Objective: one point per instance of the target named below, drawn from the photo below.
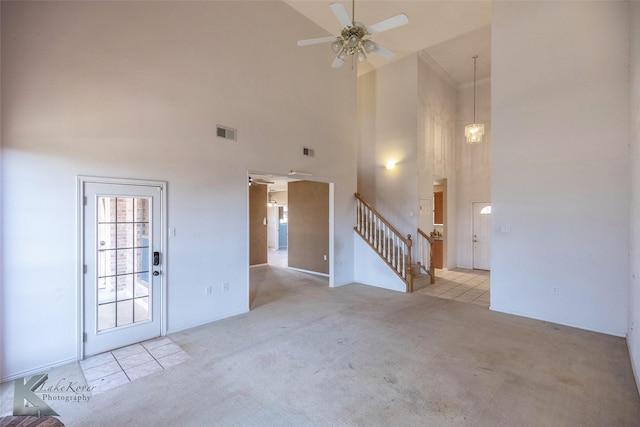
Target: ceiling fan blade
(261, 181)
(382, 51)
(316, 41)
(341, 13)
(337, 63)
(388, 24)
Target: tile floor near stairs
(111, 369)
(462, 285)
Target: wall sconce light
(390, 164)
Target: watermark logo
(26, 402)
(30, 395)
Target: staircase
(391, 246)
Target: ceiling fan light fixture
(336, 46)
(368, 46)
(362, 56)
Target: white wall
(407, 112)
(473, 165)
(437, 93)
(371, 270)
(135, 90)
(388, 103)
(633, 334)
(560, 168)
(367, 158)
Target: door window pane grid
(123, 261)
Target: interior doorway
(311, 236)
(276, 222)
(440, 223)
(277, 226)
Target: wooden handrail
(376, 213)
(426, 236)
(390, 245)
(432, 268)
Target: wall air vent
(308, 152)
(226, 133)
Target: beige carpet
(308, 355)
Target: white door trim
(81, 180)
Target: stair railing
(425, 254)
(390, 245)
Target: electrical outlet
(208, 290)
(225, 287)
(555, 290)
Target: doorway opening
(440, 223)
(277, 225)
(290, 224)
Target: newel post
(432, 267)
(410, 267)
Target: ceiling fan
(259, 181)
(354, 37)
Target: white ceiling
(450, 32)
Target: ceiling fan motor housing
(352, 40)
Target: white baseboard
(634, 367)
(38, 370)
(206, 322)
(308, 271)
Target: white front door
(122, 255)
(482, 236)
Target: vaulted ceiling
(450, 32)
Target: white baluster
(375, 233)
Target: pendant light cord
(475, 58)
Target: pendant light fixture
(271, 202)
(474, 131)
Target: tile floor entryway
(462, 285)
(108, 370)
